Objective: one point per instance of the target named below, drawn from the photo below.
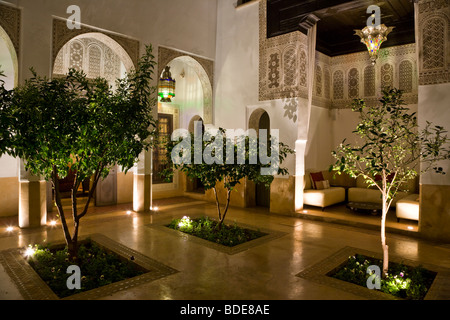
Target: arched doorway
(8, 60)
(9, 182)
(201, 71)
(97, 55)
(192, 102)
(260, 120)
(195, 185)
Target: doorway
(262, 193)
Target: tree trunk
(384, 246)
(62, 217)
(217, 204)
(226, 206)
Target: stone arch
(255, 117)
(13, 68)
(105, 40)
(289, 63)
(204, 70)
(387, 75)
(10, 30)
(406, 76)
(260, 119)
(192, 122)
(369, 81)
(434, 30)
(127, 48)
(338, 84)
(353, 83)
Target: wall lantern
(166, 86)
(373, 37)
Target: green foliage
(72, 122)
(391, 145)
(80, 123)
(220, 170)
(206, 228)
(98, 267)
(406, 282)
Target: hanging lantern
(373, 37)
(166, 86)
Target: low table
(373, 208)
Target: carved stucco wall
(353, 76)
(434, 41)
(204, 69)
(337, 80)
(62, 35)
(10, 22)
(92, 56)
(10, 26)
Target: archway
(9, 182)
(203, 69)
(97, 55)
(260, 120)
(8, 60)
(195, 185)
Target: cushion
(324, 198)
(324, 184)
(316, 176)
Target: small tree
(78, 124)
(390, 150)
(231, 160)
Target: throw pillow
(316, 176)
(324, 184)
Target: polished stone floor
(266, 271)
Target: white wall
(188, 92)
(320, 140)
(434, 106)
(188, 25)
(6, 65)
(237, 63)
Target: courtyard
(266, 270)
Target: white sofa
(324, 197)
(408, 208)
(361, 193)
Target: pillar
(142, 183)
(308, 24)
(32, 199)
(433, 51)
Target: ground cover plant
(98, 267)
(206, 228)
(402, 281)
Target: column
(308, 24)
(432, 45)
(32, 199)
(142, 183)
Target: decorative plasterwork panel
(204, 69)
(282, 62)
(395, 67)
(62, 34)
(434, 41)
(338, 80)
(10, 22)
(92, 56)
